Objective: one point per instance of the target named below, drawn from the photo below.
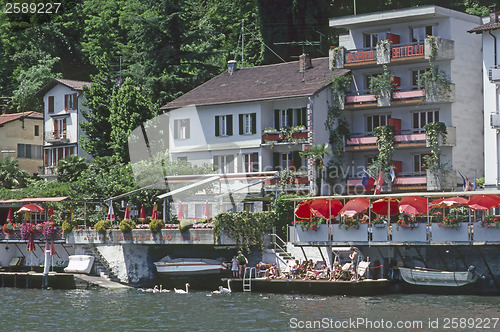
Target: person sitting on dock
(336, 273)
(272, 272)
(294, 272)
(318, 274)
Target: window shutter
(28, 151)
(276, 161)
(254, 122)
(297, 160)
(20, 150)
(240, 119)
(289, 116)
(46, 158)
(54, 155)
(277, 119)
(229, 125)
(56, 128)
(64, 128)
(187, 128)
(255, 162)
(240, 161)
(75, 101)
(304, 116)
(51, 104)
(217, 124)
(65, 102)
(216, 163)
(176, 129)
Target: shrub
(127, 225)
(67, 226)
(155, 225)
(102, 225)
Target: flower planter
(417, 234)
(301, 135)
(485, 233)
(379, 232)
(340, 234)
(320, 234)
(383, 53)
(271, 137)
(460, 233)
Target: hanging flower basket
(350, 223)
(406, 224)
(48, 230)
(308, 224)
(8, 228)
(27, 229)
(490, 221)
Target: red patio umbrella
(154, 215)
(142, 214)
(51, 212)
(413, 205)
(382, 206)
(9, 215)
(31, 208)
(326, 208)
(180, 212)
(448, 202)
(206, 211)
(303, 210)
(483, 202)
(111, 212)
(355, 206)
(127, 213)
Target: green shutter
(255, 162)
(297, 160)
(289, 115)
(240, 119)
(277, 119)
(229, 125)
(254, 122)
(217, 129)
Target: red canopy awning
(413, 205)
(382, 206)
(326, 208)
(448, 202)
(303, 210)
(483, 202)
(355, 206)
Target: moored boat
(430, 277)
(189, 266)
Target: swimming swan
(226, 290)
(182, 291)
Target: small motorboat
(189, 266)
(431, 277)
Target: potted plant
(382, 86)
(452, 222)
(380, 221)
(383, 52)
(308, 224)
(406, 223)
(67, 227)
(8, 228)
(349, 222)
(155, 225)
(102, 226)
(490, 221)
(127, 225)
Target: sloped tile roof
(5, 118)
(72, 84)
(485, 27)
(276, 81)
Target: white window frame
(386, 118)
(182, 125)
(247, 124)
(419, 127)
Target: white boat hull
(425, 277)
(189, 266)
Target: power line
(265, 45)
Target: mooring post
(46, 267)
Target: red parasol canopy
(31, 244)
(303, 210)
(127, 213)
(326, 208)
(206, 211)
(9, 215)
(448, 202)
(413, 205)
(483, 202)
(51, 211)
(382, 206)
(355, 206)
(154, 215)
(142, 214)
(180, 212)
(31, 208)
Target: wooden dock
(36, 280)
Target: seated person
(316, 274)
(272, 272)
(295, 270)
(337, 269)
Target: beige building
(21, 137)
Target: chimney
(493, 14)
(304, 62)
(232, 66)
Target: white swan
(218, 291)
(226, 290)
(182, 291)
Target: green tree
(129, 109)
(11, 176)
(317, 153)
(70, 168)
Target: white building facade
(63, 101)
(399, 40)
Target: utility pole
(243, 43)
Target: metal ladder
(247, 280)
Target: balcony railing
(363, 98)
(383, 53)
(60, 136)
(368, 141)
(15, 236)
(291, 135)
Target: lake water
(134, 310)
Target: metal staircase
(279, 248)
(101, 266)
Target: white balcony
(57, 137)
